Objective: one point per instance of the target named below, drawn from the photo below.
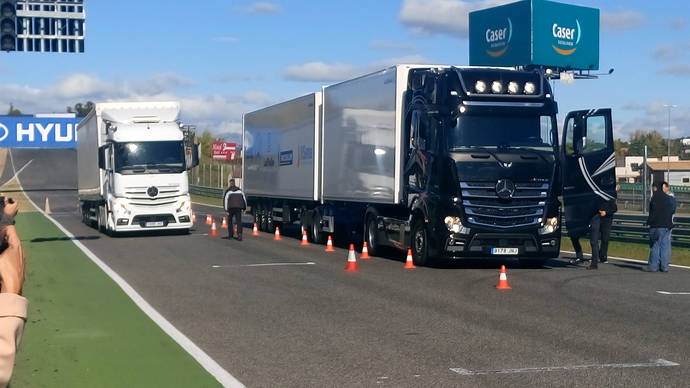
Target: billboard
(535, 32)
(221, 150)
(38, 132)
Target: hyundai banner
(38, 132)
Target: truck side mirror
(101, 158)
(195, 156)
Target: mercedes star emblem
(505, 188)
(153, 191)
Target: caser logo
(498, 39)
(566, 38)
(3, 132)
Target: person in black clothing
(235, 203)
(660, 222)
(606, 211)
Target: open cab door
(587, 166)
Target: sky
(224, 58)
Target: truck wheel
(372, 237)
(100, 217)
(420, 244)
(316, 233)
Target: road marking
(654, 363)
(631, 260)
(262, 264)
(211, 366)
(673, 293)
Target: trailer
(451, 162)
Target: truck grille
(483, 206)
(166, 195)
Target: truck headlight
(182, 206)
(454, 224)
(550, 226)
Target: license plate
(151, 224)
(504, 251)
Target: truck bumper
(139, 218)
(481, 244)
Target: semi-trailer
(132, 167)
(451, 162)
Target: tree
(13, 111)
(620, 147)
(81, 110)
(655, 142)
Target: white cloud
(387, 45)
(678, 24)
(680, 69)
(262, 7)
(320, 72)
(215, 113)
(325, 72)
(653, 115)
(621, 20)
(449, 17)
(225, 39)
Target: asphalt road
(317, 325)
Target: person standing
(235, 203)
(660, 222)
(594, 238)
(606, 212)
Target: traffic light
(8, 25)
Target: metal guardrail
(632, 228)
(212, 192)
(626, 227)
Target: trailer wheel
(372, 236)
(420, 243)
(263, 225)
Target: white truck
(132, 167)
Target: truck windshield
(149, 157)
(533, 132)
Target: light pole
(668, 153)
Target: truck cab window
(569, 145)
(162, 157)
(596, 134)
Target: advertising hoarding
(535, 32)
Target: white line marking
(262, 265)
(673, 293)
(21, 169)
(223, 377)
(631, 260)
(654, 363)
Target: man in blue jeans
(660, 222)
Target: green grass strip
(83, 330)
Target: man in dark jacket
(606, 211)
(660, 222)
(234, 203)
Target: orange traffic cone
(365, 252)
(351, 260)
(208, 219)
(409, 264)
(304, 238)
(255, 230)
(224, 224)
(214, 232)
(503, 280)
(329, 245)
(193, 218)
(277, 234)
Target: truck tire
(371, 236)
(316, 233)
(100, 219)
(420, 243)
